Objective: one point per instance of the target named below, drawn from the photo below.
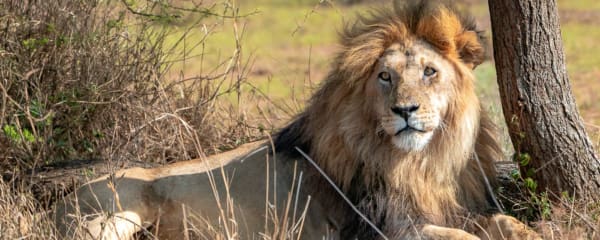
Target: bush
(81, 80)
(88, 80)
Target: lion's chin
(412, 141)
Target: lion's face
(413, 85)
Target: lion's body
(397, 126)
(183, 192)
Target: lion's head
(398, 116)
(419, 71)
(411, 89)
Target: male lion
(396, 125)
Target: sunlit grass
(275, 32)
(579, 4)
(581, 46)
(286, 43)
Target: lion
(396, 126)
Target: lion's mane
(439, 185)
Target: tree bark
(540, 111)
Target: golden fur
(442, 181)
(427, 181)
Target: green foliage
(35, 43)
(536, 205)
(541, 205)
(515, 174)
(530, 184)
(36, 111)
(524, 159)
(16, 135)
(10, 131)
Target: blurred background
(290, 43)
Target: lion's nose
(406, 110)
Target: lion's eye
(428, 72)
(384, 76)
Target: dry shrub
(83, 81)
(20, 217)
(553, 215)
(88, 80)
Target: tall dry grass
(82, 80)
(20, 215)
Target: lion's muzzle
(411, 129)
(405, 111)
(405, 120)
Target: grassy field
(289, 45)
(286, 44)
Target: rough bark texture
(538, 105)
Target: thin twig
(583, 218)
(339, 191)
(487, 184)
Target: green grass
(274, 26)
(583, 65)
(486, 79)
(579, 5)
(278, 39)
(581, 47)
(281, 35)
(271, 29)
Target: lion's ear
(444, 29)
(439, 28)
(470, 48)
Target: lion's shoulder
(249, 150)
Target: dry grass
(280, 222)
(79, 83)
(554, 216)
(20, 216)
(88, 80)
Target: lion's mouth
(409, 129)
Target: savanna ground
(87, 87)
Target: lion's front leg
(432, 232)
(501, 226)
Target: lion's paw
(432, 232)
(501, 226)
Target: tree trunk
(539, 108)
